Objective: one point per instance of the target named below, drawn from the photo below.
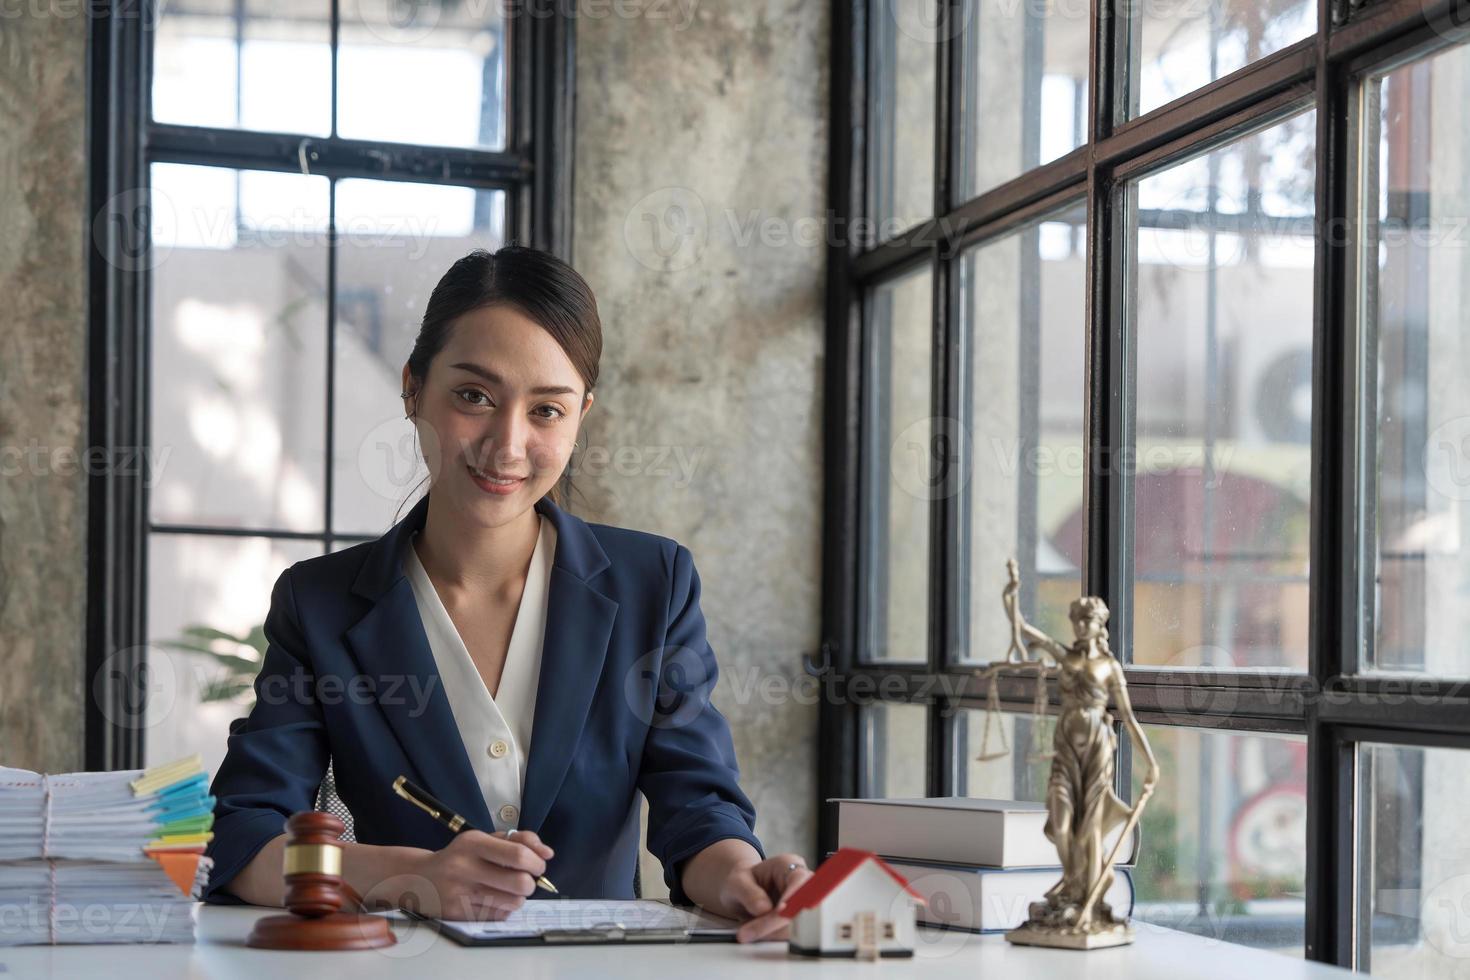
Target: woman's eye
(556, 413)
(469, 394)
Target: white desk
(1158, 954)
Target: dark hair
(538, 284)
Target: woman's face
(1087, 627)
(501, 400)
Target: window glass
(1221, 315)
(1415, 260)
(1415, 904)
(1002, 755)
(1025, 90)
(1184, 44)
(429, 73)
(904, 41)
(238, 348)
(1024, 340)
(256, 64)
(208, 596)
(896, 749)
(1224, 837)
(900, 479)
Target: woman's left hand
(760, 890)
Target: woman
(533, 671)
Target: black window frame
(534, 170)
(1353, 38)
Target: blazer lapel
(392, 649)
(579, 622)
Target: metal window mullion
(1333, 624)
(519, 112)
(330, 436)
(941, 778)
(274, 534)
(875, 462)
(946, 548)
(545, 80)
(337, 157)
(118, 413)
(1107, 526)
(335, 44)
(1377, 28)
(838, 720)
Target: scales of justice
(1082, 808)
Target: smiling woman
(561, 667)
(501, 398)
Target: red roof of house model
(832, 873)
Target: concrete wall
(699, 192)
(43, 503)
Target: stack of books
(978, 863)
(103, 857)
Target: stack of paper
(103, 857)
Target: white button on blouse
(496, 730)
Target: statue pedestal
(1063, 937)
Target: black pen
(425, 801)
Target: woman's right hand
(480, 876)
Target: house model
(853, 905)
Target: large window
(1168, 303)
(287, 183)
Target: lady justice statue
(1083, 811)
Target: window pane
(895, 749)
(904, 41)
(238, 348)
(1025, 338)
(1003, 756)
(1224, 838)
(269, 68)
(899, 482)
(1415, 869)
(431, 73)
(1025, 90)
(1186, 44)
(1417, 269)
(1222, 317)
(395, 241)
(206, 582)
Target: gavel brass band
(322, 859)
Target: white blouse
(496, 730)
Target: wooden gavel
(315, 893)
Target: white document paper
(537, 916)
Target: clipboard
(603, 932)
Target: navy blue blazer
(622, 706)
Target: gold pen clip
(402, 791)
